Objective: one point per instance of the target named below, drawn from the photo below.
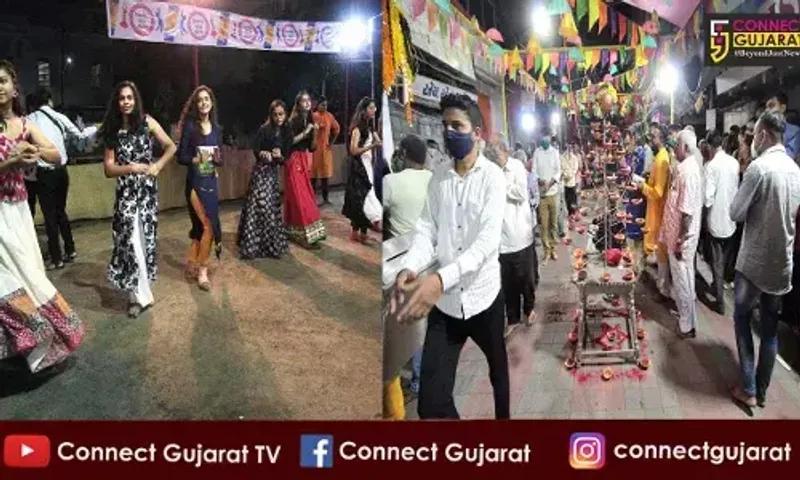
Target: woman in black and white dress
(261, 230)
(128, 134)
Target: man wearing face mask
(767, 202)
(460, 227)
(548, 168)
(517, 252)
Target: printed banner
(163, 22)
(752, 40)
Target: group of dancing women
(39, 326)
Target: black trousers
(444, 340)
(53, 186)
(730, 265)
(32, 189)
(571, 197)
(791, 301)
(721, 251)
(519, 282)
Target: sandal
(741, 397)
(134, 310)
(55, 266)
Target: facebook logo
(316, 451)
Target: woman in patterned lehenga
(300, 211)
(35, 321)
(127, 135)
(261, 230)
(199, 151)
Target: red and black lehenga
(300, 212)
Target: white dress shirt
(517, 223)
(570, 163)
(548, 167)
(56, 131)
(461, 225)
(404, 195)
(721, 185)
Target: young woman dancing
(261, 230)
(300, 212)
(361, 205)
(36, 323)
(127, 135)
(200, 139)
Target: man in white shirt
(460, 226)
(516, 244)
(404, 192)
(548, 169)
(721, 185)
(52, 181)
(570, 163)
(680, 230)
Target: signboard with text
(431, 91)
(163, 22)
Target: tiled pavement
(687, 379)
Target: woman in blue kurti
(200, 138)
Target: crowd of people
(732, 199)
(36, 323)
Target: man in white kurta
(680, 230)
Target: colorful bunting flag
(603, 13)
(568, 29)
(623, 26)
(559, 7)
(582, 8)
(594, 13)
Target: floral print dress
(136, 198)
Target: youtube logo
(26, 451)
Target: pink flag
(676, 12)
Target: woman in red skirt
(300, 211)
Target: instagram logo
(587, 451)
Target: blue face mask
(458, 145)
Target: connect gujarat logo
(753, 39)
(587, 451)
(720, 40)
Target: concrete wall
(91, 194)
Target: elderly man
(721, 185)
(680, 230)
(517, 255)
(767, 203)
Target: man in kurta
(322, 166)
(655, 189)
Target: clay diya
(637, 201)
(611, 178)
(629, 275)
(581, 229)
(606, 277)
(582, 275)
(608, 374)
(620, 215)
(579, 264)
(640, 333)
(644, 363)
(578, 253)
(640, 221)
(567, 241)
(569, 363)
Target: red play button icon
(26, 451)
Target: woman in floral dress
(36, 322)
(200, 140)
(261, 230)
(127, 135)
